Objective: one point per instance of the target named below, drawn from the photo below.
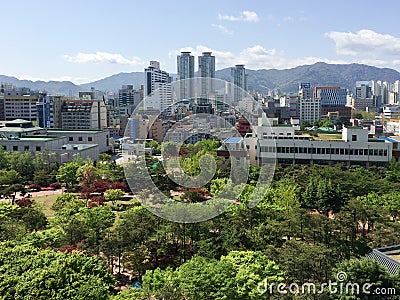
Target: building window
(38, 148)
(15, 148)
(90, 139)
(70, 138)
(80, 139)
(26, 148)
(354, 138)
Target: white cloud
(259, 57)
(256, 57)
(222, 58)
(246, 15)
(365, 42)
(223, 29)
(103, 57)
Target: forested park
(95, 240)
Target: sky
(86, 40)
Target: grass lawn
(327, 136)
(45, 202)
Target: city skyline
(82, 42)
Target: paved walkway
(34, 194)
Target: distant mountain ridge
(287, 80)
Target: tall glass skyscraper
(239, 79)
(207, 72)
(185, 63)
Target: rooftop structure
(389, 257)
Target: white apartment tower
(158, 91)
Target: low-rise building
(21, 135)
(88, 137)
(354, 149)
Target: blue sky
(83, 41)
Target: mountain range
(287, 80)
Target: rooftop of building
(354, 127)
(39, 138)
(282, 125)
(389, 257)
(74, 130)
(31, 138)
(388, 139)
(78, 146)
(19, 129)
(233, 140)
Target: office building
(83, 114)
(21, 135)
(333, 99)
(364, 98)
(91, 95)
(305, 90)
(19, 103)
(128, 96)
(353, 149)
(309, 109)
(49, 111)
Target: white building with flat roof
(353, 149)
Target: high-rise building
(363, 89)
(207, 72)
(309, 109)
(333, 99)
(305, 90)
(185, 64)
(91, 95)
(84, 114)
(158, 90)
(239, 79)
(364, 98)
(19, 103)
(129, 98)
(49, 111)
(154, 76)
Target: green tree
(364, 271)
(113, 195)
(321, 194)
(68, 173)
(31, 273)
(137, 260)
